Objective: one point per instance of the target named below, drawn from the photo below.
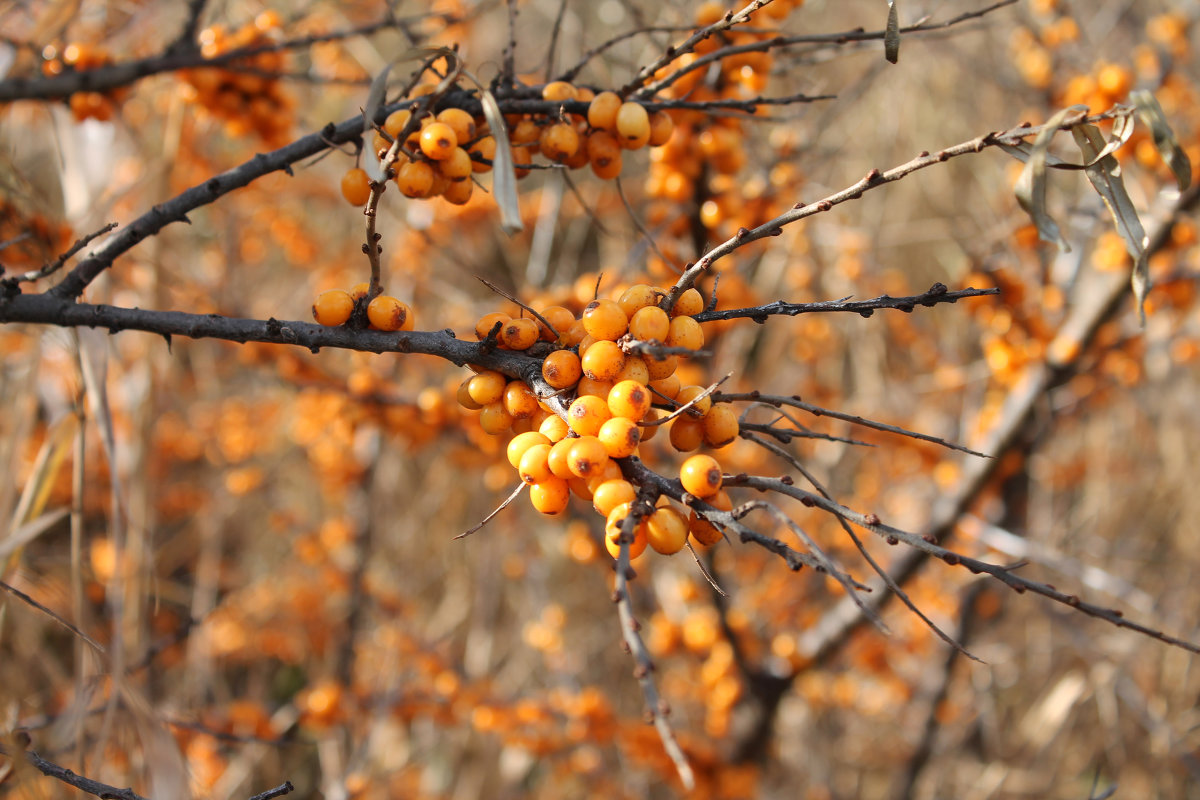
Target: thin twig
(17, 593)
(936, 294)
(507, 502)
(513, 299)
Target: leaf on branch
(1031, 186)
(1104, 172)
(891, 36)
(504, 176)
(375, 96)
(1151, 113)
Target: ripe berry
(633, 126)
(720, 426)
(333, 307)
(562, 369)
(522, 442)
(666, 531)
(620, 437)
(488, 321)
(701, 476)
(458, 192)
(521, 160)
(519, 400)
(634, 370)
(534, 466)
(587, 457)
(464, 397)
(396, 122)
(638, 296)
(485, 149)
(438, 141)
(661, 128)
(602, 112)
(415, 179)
(650, 324)
(629, 399)
(554, 428)
(557, 91)
(387, 313)
(687, 434)
(356, 187)
(612, 533)
(604, 319)
(561, 318)
(611, 494)
(587, 414)
(700, 407)
(603, 151)
(611, 471)
(661, 368)
(557, 459)
(668, 387)
(462, 123)
(360, 290)
(519, 334)
(590, 387)
(559, 141)
(689, 304)
(603, 361)
(701, 529)
(685, 332)
(457, 166)
(494, 419)
(487, 387)
(550, 496)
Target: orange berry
(456, 167)
(661, 368)
(550, 496)
(590, 387)
(487, 387)
(333, 307)
(554, 428)
(603, 149)
(610, 494)
(604, 319)
(387, 313)
(629, 399)
(557, 460)
(602, 111)
(558, 91)
(637, 297)
(603, 361)
(587, 457)
(438, 141)
(650, 324)
(519, 400)
(562, 369)
(462, 123)
(360, 290)
(458, 192)
(488, 321)
(415, 179)
(494, 419)
(561, 318)
(396, 121)
(648, 430)
(534, 466)
(620, 437)
(559, 141)
(666, 531)
(685, 332)
(668, 387)
(485, 148)
(522, 442)
(356, 187)
(701, 476)
(633, 125)
(661, 128)
(464, 397)
(612, 532)
(687, 394)
(580, 488)
(587, 414)
(720, 426)
(524, 132)
(689, 304)
(701, 529)
(521, 160)
(634, 370)
(519, 334)
(611, 471)
(686, 434)
(608, 170)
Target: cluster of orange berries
(249, 100)
(439, 156)
(383, 312)
(80, 57)
(618, 397)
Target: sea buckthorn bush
(684, 389)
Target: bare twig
(511, 298)
(17, 593)
(57, 264)
(507, 502)
(936, 294)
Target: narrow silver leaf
(1151, 113)
(891, 36)
(1031, 186)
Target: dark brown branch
(938, 293)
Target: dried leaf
(891, 36)
(1151, 114)
(1031, 186)
(375, 97)
(1104, 172)
(504, 176)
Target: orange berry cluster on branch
(79, 57)
(383, 312)
(246, 95)
(610, 360)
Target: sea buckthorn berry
(603, 149)
(650, 324)
(609, 169)
(458, 192)
(587, 414)
(550, 496)
(604, 319)
(689, 304)
(522, 158)
(633, 125)
(519, 400)
(620, 437)
(701, 529)
(494, 419)
(611, 471)
(701, 476)
(524, 132)
(438, 141)
(661, 128)
(562, 369)
(648, 430)
(580, 489)
(720, 426)
(559, 142)
(522, 442)
(535, 465)
(634, 370)
(590, 387)
(629, 399)
(638, 297)
(557, 91)
(668, 387)
(554, 428)
(360, 290)
(333, 307)
(522, 425)
(487, 387)
(462, 123)
(396, 121)
(415, 179)
(387, 313)
(602, 111)
(666, 531)
(685, 332)
(661, 368)
(689, 393)
(519, 334)
(603, 361)
(686, 434)
(559, 317)
(488, 321)
(612, 533)
(457, 167)
(485, 149)
(611, 494)
(557, 460)
(356, 187)
(587, 457)
(464, 397)
(574, 334)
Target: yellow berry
(558, 91)
(603, 361)
(633, 126)
(629, 399)
(666, 531)
(522, 442)
(356, 187)
(610, 494)
(701, 476)
(534, 466)
(550, 496)
(333, 307)
(689, 304)
(557, 460)
(554, 428)
(586, 415)
(602, 111)
(487, 387)
(620, 437)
